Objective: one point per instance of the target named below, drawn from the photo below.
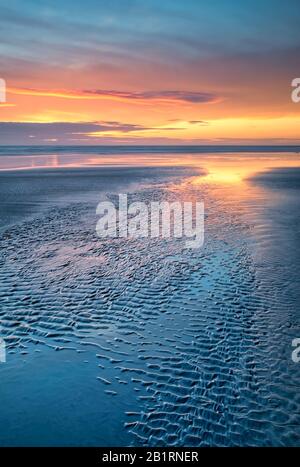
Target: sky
(149, 72)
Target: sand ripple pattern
(202, 336)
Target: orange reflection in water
(234, 168)
(227, 180)
(227, 168)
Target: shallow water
(143, 342)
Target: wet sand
(26, 193)
(143, 342)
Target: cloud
(63, 132)
(192, 97)
(198, 122)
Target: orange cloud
(192, 97)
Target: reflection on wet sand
(223, 168)
(154, 344)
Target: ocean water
(26, 157)
(142, 341)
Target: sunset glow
(149, 73)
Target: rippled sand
(143, 342)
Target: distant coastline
(140, 149)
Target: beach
(141, 341)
